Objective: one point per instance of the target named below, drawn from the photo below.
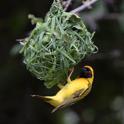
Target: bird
(72, 91)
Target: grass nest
(57, 43)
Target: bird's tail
(49, 99)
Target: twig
(84, 6)
(67, 4)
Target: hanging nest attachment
(56, 44)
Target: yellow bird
(73, 91)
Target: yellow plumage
(73, 91)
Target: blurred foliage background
(104, 105)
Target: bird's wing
(71, 100)
(83, 94)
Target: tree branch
(86, 4)
(67, 4)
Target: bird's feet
(69, 77)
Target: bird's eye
(86, 72)
(86, 69)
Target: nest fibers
(55, 45)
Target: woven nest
(55, 45)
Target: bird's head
(87, 72)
